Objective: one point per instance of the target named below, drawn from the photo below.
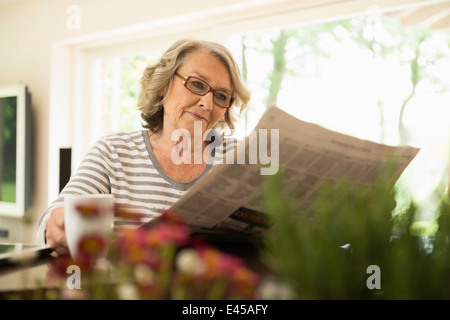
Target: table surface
(25, 278)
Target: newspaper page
(230, 197)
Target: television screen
(15, 150)
(8, 146)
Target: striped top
(124, 165)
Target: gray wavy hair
(159, 76)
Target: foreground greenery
(335, 252)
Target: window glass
(118, 90)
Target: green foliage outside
(130, 90)
(8, 192)
(128, 71)
(326, 255)
(8, 114)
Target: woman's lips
(196, 116)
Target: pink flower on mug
(91, 245)
(88, 209)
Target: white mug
(88, 218)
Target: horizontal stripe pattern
(123, 164)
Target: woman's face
(182, 108)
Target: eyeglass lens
(200, 87)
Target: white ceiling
(436, 15)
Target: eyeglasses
(198, 86)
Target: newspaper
(230, 197)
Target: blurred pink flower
(219, 264)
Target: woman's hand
(55, 234)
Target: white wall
(34, 43)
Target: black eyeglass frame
(186, 80)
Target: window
(352, 75)
(116, 90)
(368, 76)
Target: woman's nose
(207, 101)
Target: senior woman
(195, 83)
